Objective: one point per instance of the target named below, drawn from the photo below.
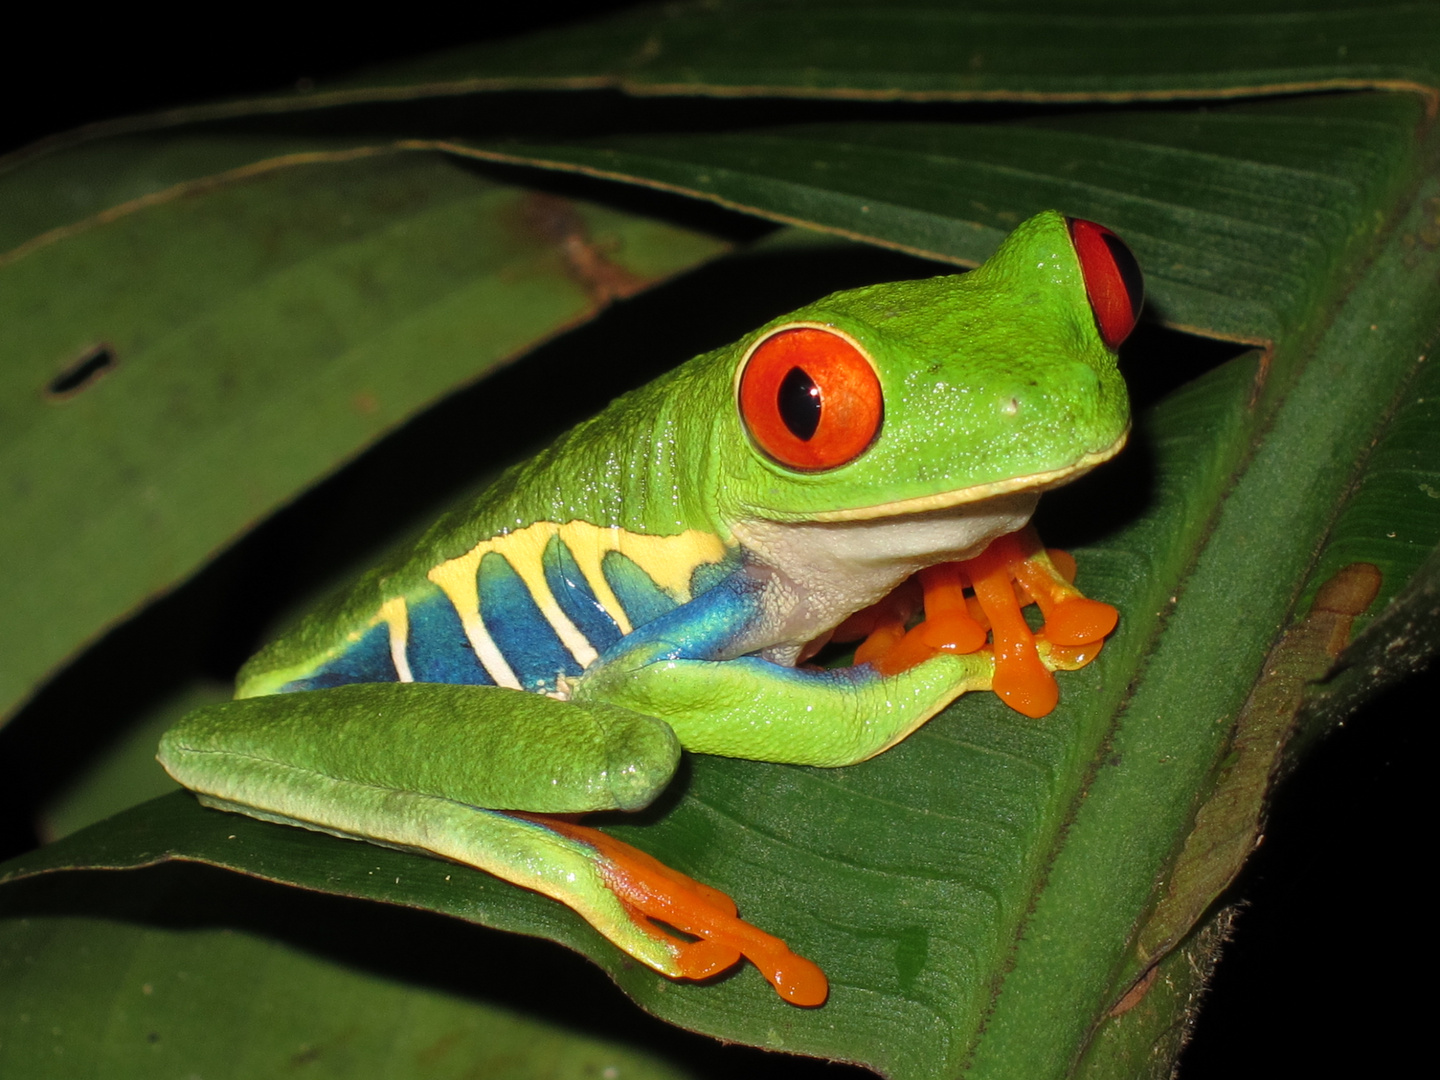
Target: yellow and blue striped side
(528, 608)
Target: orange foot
(1014, 571)
(667, 898)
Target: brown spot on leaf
(1344, 596)
(1136, 993)
(1228, 825)
(558, 222)
(431, 1056)
(1262, 373)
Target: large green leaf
(1240, 215)
(232, 984)
(915, 50)
(987, 894)
(928, 50)
(261, 324)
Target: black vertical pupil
(1129, 271)
(799, 404)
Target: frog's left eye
(810, 399)
(1113, 280)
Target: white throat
(818, 573)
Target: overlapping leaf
(260, 325)
(921, 50)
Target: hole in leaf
(83, 372)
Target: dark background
(1319, 977)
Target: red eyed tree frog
(660, 577)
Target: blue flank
(575, 597)
(699, 630)
(522, 634)
(726, 601)
(367, 661)
(638, 594)
(438, 649)
(709, 574)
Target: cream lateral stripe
(397, 617)
(523, 550)
(667, 560)
(464, 595)
(588, 546)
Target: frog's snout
(1071, 410)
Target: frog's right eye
(1113, 281)
(810, 398)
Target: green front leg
(751, 708)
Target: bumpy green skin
(988, 378)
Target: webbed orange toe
(661, 899)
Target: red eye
(1112, 279)
(810, 399)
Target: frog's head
(882, 430)
(922, 396)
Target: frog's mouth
(922, 504)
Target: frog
(670, 576)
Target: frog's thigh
(412, 765)
(752, 708)
(479, 745)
